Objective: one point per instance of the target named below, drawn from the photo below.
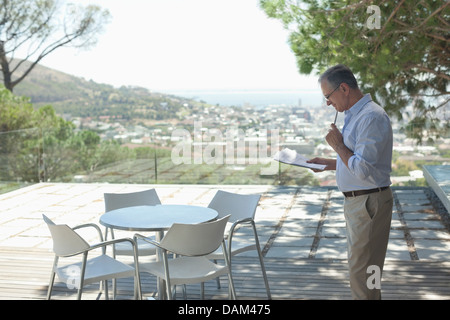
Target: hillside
(82, 98)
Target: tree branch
(446, 3)
(393, 13)
(436, 73)
(443, 103)
(45, 52)
(436, 37)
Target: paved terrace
(301, 230)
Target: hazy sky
(166, 45)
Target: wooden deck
(24, 275)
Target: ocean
(255, 98)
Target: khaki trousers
(368, 221)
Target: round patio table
(157, 218)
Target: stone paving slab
(297, 222)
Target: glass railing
(33, 155)
(19, 154)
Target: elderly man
(363, 166)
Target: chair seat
(237, 247)
(186, 270)
(97, 269)
(126, 249)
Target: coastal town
(257, 130)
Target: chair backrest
(115, 201)
(239, 206)
(66, 242)
(195, 239)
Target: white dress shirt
(367, 132)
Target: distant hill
(79, 97)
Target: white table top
(156, 218)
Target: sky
(176, 45)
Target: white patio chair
(190, 243)
(68, 243)
(242, 209)
(115, 201)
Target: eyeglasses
(328, 96)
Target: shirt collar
(359, 104)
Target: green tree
(16, 135)
(38, 145)
(86, 143)
(15, 112)
(35, 28)
(110, 151)
(398, 50)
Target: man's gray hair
(339, 74)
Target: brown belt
(361, 192)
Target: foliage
(17, 109)
(15, 113)
(37, 145)
(403, 167)
(402, 61)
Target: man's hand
(330, 163)
(334, 138)
(336, 141)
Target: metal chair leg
(202, 291)
(261, 262)
(106, 290)
(50, 286)
(217, 279)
